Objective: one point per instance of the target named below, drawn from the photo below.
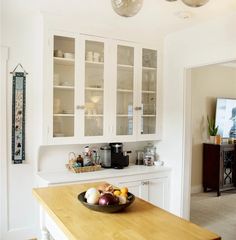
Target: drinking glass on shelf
(57, 105)
(56, 79)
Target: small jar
(149, 160)
(80, 161)
(231, 141)
(217, 139)
(58, 53)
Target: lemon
(123, 194)
(117, 192)
(124, 190)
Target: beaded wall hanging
(18, 115)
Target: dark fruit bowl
(107, 208)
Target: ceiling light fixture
(127, 8)
(195, 3)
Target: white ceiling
(229, 64)
(156, 18)
(155, 15)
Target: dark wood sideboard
(219, 167)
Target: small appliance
(119, 158)
(106, 156)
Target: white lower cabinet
(158, 193)
(153, 190)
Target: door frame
(3, 144)
(187, 134)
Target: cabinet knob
(80, 107)
(138, 108)
(145, 182)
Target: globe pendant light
(195, 3)
(127, 8)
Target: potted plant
(212, 129)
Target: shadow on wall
(211, 106)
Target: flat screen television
(226, 117)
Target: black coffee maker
(119, 158)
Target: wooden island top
(140, 221)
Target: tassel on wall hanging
(18, 114)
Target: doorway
(205, 85)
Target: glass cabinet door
(149, 91)
(63, 86)
(125, 94)
(94, 88)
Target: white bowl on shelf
(69, 55)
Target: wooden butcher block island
(66, 218)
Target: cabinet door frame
(113, 88)
(106, 96)
(163, 182)
(158, 126)
(48, 91)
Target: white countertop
(64, 176)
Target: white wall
(207, 84)
(209, 43)
(23, 30)
(22, 33)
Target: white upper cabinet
(99, 90)
(93, 76)
(149, 85)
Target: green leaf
(212, 129)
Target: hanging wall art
(18, 115)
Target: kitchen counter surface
(64, 176)
(140, 221)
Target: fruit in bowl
(106, 198)
(105, 194)
(92, 195)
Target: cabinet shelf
(63, 87)
(63, 115)
(93, 115)
(149, 68)
(153, 92)
(124, 115)
(94, 64)
(94, 89)
(124, 90)
(125, 66)
(64, 61)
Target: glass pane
(125, 55)
(63, 126)
(125, 83)
(149, 58)
(124, 125)
(93, 126)
(63, 86)
(94, 88)
(149, 81)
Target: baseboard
(196, 189)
